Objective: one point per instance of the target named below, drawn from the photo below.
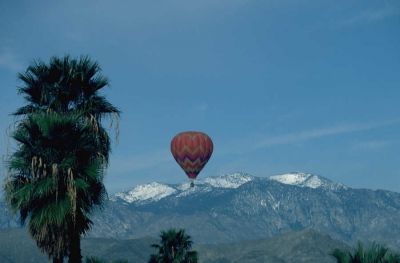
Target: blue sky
(280, 86)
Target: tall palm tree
(374, 254)
(55, 180)
(69, 85)
(174, 247)
(65, 87)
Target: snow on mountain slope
(158, 191)
(306, 180)
(147, 192)
(229, 181)
(142, 194)
(187, 190)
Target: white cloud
(373, 144)
(265, 141)
(320, 132)
(372, 15)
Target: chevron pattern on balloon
(192, 150)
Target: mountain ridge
(156, 191)
(259, 208)
(238, 207)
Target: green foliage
(55, 178)
(56, 174)
(174, 247)
(66, 85)
(374, 254)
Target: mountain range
(239, 207)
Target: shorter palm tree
(174, 247)
(374, 254)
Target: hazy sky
(279, 85)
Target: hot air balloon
(192, 150)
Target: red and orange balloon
(192, 150)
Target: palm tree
(69, 85)
(374, 254)
(174, 247)
(55, 180)
(64, 87)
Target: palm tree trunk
(75, 248)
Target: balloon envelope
(191, 151)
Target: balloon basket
(191, 184)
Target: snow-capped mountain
(156, 191)
(235, 207)
(306, 180)
(239, 206)
(229, 181)
(148, 192)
